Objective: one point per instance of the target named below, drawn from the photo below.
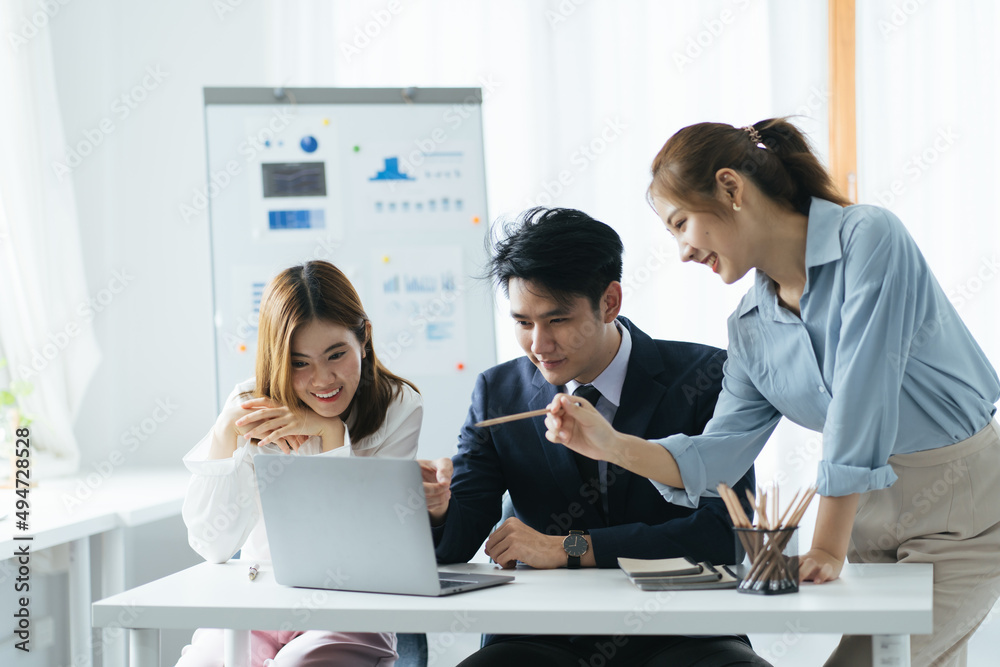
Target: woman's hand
(819, 566)
(270, 421)
(225, 432)
(834, 522)
(578, 425)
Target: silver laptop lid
(354, 524)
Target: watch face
(575, 545)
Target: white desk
(890, 601)
(73, 509)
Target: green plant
(12, 415)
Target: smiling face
(565, 341)
(325, 366)
(707, 238)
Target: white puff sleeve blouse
(222, 506)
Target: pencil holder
(773, 557)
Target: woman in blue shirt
(846, 332)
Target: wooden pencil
(512, 418)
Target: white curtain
(590, 90)
(928, 112)
(45, 311)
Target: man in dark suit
(561, 270)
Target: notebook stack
(676, 574)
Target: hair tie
(754, 135)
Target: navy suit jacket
(670, 387)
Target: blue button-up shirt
(879, 361)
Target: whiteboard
(388, 185)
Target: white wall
(155, 334)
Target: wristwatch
(575, 546)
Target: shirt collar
(823, 233)
(822, 247)
(612, 379)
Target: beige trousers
(944, 510)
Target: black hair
(561, 250)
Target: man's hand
(513, 541)
(437, 487)
(819, 566)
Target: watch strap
(573, 562)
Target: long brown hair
(782, 165)
(318, 290)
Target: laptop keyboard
(451, 583)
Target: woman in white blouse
(319, 390)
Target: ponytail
(772, 153)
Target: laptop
(353, 524)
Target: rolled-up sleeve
(740, 426)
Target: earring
(737, 208)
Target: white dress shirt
(609, 383)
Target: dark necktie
(589, 472)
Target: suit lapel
(641, 396)
(560, 458)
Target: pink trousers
(314, 648)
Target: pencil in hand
(512, 418)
